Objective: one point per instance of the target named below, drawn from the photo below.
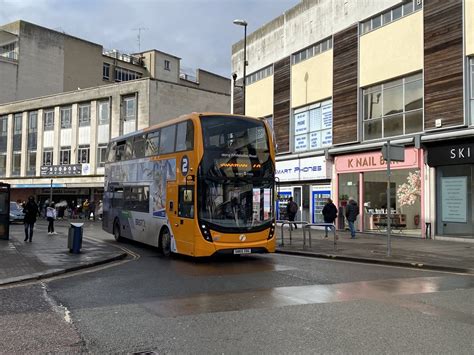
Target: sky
(200, 32)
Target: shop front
(307, 180)
(453, 162)
(363, 177)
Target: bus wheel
(117, 236)
(165, 242)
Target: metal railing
(290, 223)
(325, 225)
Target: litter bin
(74, 240)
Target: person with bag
(352, 211)
(51, 216)
(291, 211)
(329, 213)
(31, 211)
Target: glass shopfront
(364, 178)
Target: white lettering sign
(301, 143)
(454, 199)
(327, 116)
(301, 123)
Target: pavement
(49, 256)
(452, 256)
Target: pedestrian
(92, 210)
(85, 209)
(31, 212)
(100, 210)
(352, 210)
(291, 211)
(51, 216)
(329, 213)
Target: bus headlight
(272, 231)
(206, 233)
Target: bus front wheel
(117, 235)
(165, 242)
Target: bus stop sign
(4, 211)
(395, 153)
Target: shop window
(393, 108)
(312, 127)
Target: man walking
(31, 211)
(291, 211)
(352, 210)
(329, 213)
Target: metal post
(389, 214)
(51, 192)
(245, 64)
(335, 237)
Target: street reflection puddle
(298, 295)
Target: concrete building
(339, 78)
(64, 98)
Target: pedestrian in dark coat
(352, 210)
(291, 211)
(329, 213)
(31, 212)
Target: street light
(243, 23)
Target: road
(254, 304)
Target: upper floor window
(167, 65)
(313, 50)
(84, 115)
(103, 109)
(65, 117)
(83, 154)
(106, 71)
(129, 114)
(259, 75)
(390, 15)
(9, 51)
(48, 120)
(122, 74)
(3, 133)
(312, 127)
(17, 120)
(393, 108)
(33, 122)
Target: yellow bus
(199, 185)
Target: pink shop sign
(374, 161)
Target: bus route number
(184, 165)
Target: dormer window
(167, 64)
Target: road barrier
(283, 222)
(325, 225)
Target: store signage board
(314, 168)
(454, 199)
(65, 170)
(395, 153)
(451, 154)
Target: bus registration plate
(242, 251)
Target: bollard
(74, 240)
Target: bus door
(181, 216)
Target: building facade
(338, 79)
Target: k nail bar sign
(65, 170)
(451, 154)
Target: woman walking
(51, 216)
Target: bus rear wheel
(165, 242)
(117, 235)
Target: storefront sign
(374, 161)
(451, 154)
(314, 168)
(454, 199)
(65, 170)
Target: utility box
(74, 240)
(4, 211)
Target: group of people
(32, 211)
(329, 213)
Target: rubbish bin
(74, 240)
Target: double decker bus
(198, 185)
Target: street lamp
(243, 23)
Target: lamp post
(243, 23)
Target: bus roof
(193, 115)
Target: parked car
(16, 212)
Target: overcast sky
(198, 31)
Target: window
(167, 65)
(152, 143)
(31, 167)
(312, 127)
(122, 74)
(471, 96)
(137, 198)
(313, 50)
(390, 15)
(185, 136)
(186, 202)
(17, 128)
(393, 108)
(48, 120)
(3, 133)
(84, 115)
(101, 155)
(9, 51)
(65, 156)
(139, 146)
(106, 71)
(259, 75)
(104, 112)
(48, 157)
(168, 137)
(83, 154)
(129, 114)
(16, 167)
(3, 164)
(65, 117)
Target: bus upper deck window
(152, 143)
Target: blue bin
(74, 241)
